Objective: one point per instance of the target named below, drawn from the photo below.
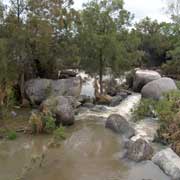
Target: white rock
(169, 162)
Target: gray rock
(85, 99)
(38, 90)
(157, 88)
(169, 162)
(99, 108)
(146, 170)
(88, 105)
(61, 107)
(81, 110)
(139, 150)
(120, 125)
(116, 101)
(142, 77)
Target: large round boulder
(61, 107)
(142, 77)
(157, 88)
(120, 125)
(139, 150)
(38, 90)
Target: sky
(140, 8)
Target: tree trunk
(21, 85)
(101, 72)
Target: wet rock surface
(169, 162)
(120, 125)
(139, 150)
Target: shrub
(178, 84)
(42, 123)
(168, 112)
(11, 99)
(165, 108)
(11, 135)
(172, 68)
(59, 133)
(49, 123)
(36, 123)
(145, 109)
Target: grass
(11, 135)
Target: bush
(42, 123)
(59, 134)
(178, 84)
(145, 109)
(168, 107)
(168, 113)
(11, 135)
(11, 99)
(165, 108)
(172, 69)
(49, 123)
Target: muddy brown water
(90, 152)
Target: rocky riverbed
(103, 144)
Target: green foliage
(165, 109)
(42, 123)
(59, 134)
(11, 135)
(49, 123)
(155, 41)
(11, 99)
(145, 109)
(178, 84)
(104, 38)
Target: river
(90, 152)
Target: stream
(90, 151)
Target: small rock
(88, 105)
(13, 113)
(116, 101)
(85, 99)
(139, 150)
(99, 108)
(103, 99)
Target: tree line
(39, 38)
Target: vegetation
(104, 38)
(38, 38)
(145, 109)
(59, 133)
(168, 112)
(11, 135)
(42, 123)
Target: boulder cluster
(150, 83)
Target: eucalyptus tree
(173, 65)
(101, 23)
